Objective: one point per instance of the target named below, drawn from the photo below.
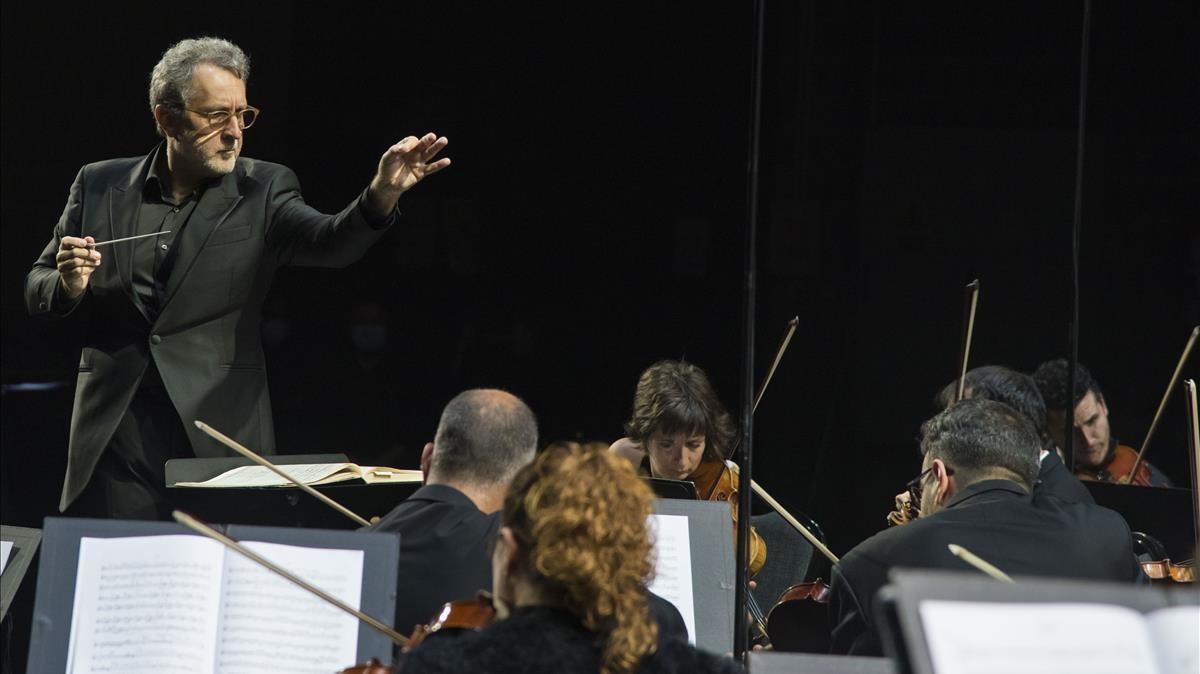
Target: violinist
(980, 463)
(570, 566)
(1098, 455)
(483, 438)
(679, 430)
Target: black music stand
(57, 573)
(25, 544)
(278, 506)
(1163, 512)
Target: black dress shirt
(445, 555)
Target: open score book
(184, 603)
(306, 473)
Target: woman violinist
(571, 563)
(679, 430)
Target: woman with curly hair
(570, 565)
(679, 430)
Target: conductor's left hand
(403, 165)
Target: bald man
(446, 528)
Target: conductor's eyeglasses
(219, 118)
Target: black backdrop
(593, 219)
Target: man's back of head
(983, 439)
(484, 437)
(1002, 384)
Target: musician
(979, 465)
(1098, 455)
(679, 430)
(171, 331)
(483, 438)
(570, 563)
(1020, 392)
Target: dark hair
(674, 396)
(1051, 379)
(1006, 385)
(977, 437)
(484, 437)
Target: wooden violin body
(718, 481)
(1166, 571)
(799, 620)
(1117, 467)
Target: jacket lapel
(215, 205)
(124, 200)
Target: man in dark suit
(172, 319)
(979, 466)
(1020, 392)
(447, 527)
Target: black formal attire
(445, 551)
(172, 323)
(445, 555)
(995, 519)
(1055, 480)
(540, 639)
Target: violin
(799, 620)
(717, 481)
(465, 614)
(1167, 571)
(1118, 469)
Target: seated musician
(679, 430)
(570, 565)
(1020, 392)
(1098, 455)
(483, 438)
(980, 462)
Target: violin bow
(979, 562)
(1187, 350)
(205, 530)
(1189, 394)
(787, 339)
(970, 304)
(249, 454)
(762, 493)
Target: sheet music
(261, 476)
(269, 624)
(673, 566)
(1176, 634)
(146, 603)
(991, 638)
(5, 550)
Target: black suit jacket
(444, 551)
(995, 519)
(205, 340)
(1055, 480)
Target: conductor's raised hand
(76, 260)
(403, 165)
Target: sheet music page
(261, 476)
(269, 624)
(145, 603)
(990, 638)
(673, 566)
(5, 550)
(1176, 634)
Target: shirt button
(155, 339)
(164, 246)
(175, 210)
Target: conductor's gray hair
(171, 79)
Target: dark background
(593, 219)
